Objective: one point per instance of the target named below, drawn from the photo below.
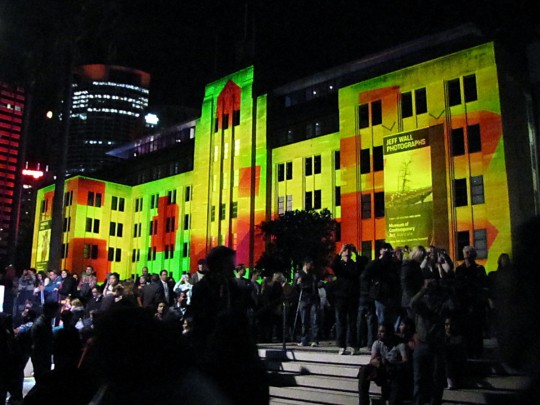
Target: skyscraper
(11, 116)
(107, 111)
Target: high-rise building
(11, 117)
(107, 111)
(428, 143)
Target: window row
(471, 137)
(367, 208)
(415, 102)
(225, 118)
(223, 211)
(312, 165)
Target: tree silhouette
(294, 236)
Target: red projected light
(36, 174)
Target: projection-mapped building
(428, 143)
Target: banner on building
(43, 244)
(408, 187)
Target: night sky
(184, 44)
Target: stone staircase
(305, 375)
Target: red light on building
(36, 174)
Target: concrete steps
(319, 375)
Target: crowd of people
(420, 316)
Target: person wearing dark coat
(344, 293)
(42, 341)
(153, 293)
(68, 288)
(412, 279)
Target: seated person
(389, 355)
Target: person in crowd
(455, 355)
(145, 274)
(112, 280)
(184, 285)
(161, 311)
(431, 306)
(167, 286)
(23, 347)
(219, 323)
(25, 289)
(88, 281)
(153, 293)
(142, 282)
(387, 368)
(39, 286)
(309, 303)
(385, 285)
(412, 279)
(130, 292)
(437, 264)
(202, 269)
(502, 272)
(367, 319)
(42, 340)
(181, 308)
(94, 304)
(344, 293)
(68, 287)
(53, 286)
(187, 326)
(7, 355)
(472, 291)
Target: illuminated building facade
(107, 111)
(411, 146)
(11, 117)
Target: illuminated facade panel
(417, 155)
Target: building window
(225, 121)
(363, 116)
(309, 166)
(462, 241)
(308, 200)
(135, 255)
(65, 249)
(317, 203)
(154, 201)
(379, 204)
(460, 192)
(234, 209)
(116, 229)
(454, 92)
(43, 208)
(337, 232)
(365, 161)
(187, 195)
(92, 225)
(153, 227)
(170, 224)
(222, 212)
(469, 88)
(151, 253)
(91, 197)
(477, 190)
(420, 99)
(213, 213)
(68, 198)
(90, 251)
(366, 249)
(281, 205)
(186, 222)
(458, 142)
(281, 172)
(406, 105)
(378, 159)
(171, 197)
(67, 224)
(138, 204)
(337, 160)
(317, 164)
(480, 243)
(474, 138)
(366, 206)
(185, 249)
(338, 196)
(288, 171)
(110, 254)
(236, 117)
(376, 113)
(137, 230)
(114, 203)
(216, 124)
(288, 201)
